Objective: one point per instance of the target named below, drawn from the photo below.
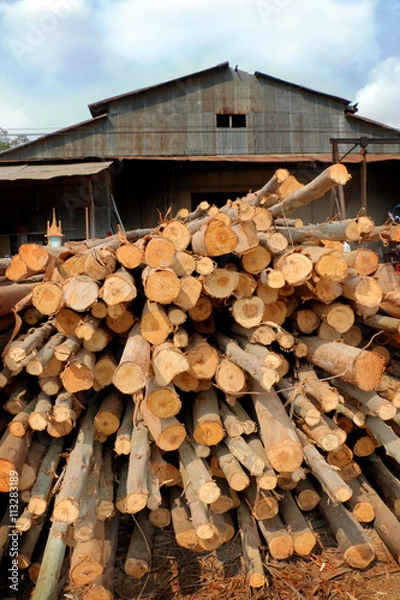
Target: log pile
(218, 372)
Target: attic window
(233, 121)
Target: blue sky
(58, 56)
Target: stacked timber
(219, 371)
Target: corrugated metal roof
(264, 158)
(101, 107)
(301, 87)
(40, 172)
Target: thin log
(138, 557)
(251, 548)
(303, 538)
(132, 372)
(52, 562)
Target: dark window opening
(233, 121)
(238, 120)
(223, 120)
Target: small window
(223, 120)
(238, 120)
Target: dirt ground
(177, 574)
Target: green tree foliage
(7, 141)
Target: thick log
(203, 485)
(138, 557)
(279, 541)
(132, 373)
(109, 414)
(66, 508)
(230, 468)
(136, 486)
(130, 255)
(303, 538)
(87, 558)
(159, 252)
(213, 238)
(334, 175)
(78, 375)
(385, 435)
(118, 287)
(207, 425)
(262, 503)
(168, 362)
(80, 292)
(371, 402)
(327, 396)
(360, 367)
(363, 260)
(99, 263)
(164, 402)
(185, 535)
(359, 503)
(240, 449)
(330, 481)
(387, 484)
(365, 291)
(52, 562)
(26, 344)
(160, 285)
(155, 325)
(168, 434)
(255, 577)
(355, 546)
(221, 283)
(338, 315)
(281, 443)
(102, 587)
(13, 451)
(327, 262)
(295, 267)
(306, 495)
(104, 370)
(123, 438)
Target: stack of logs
(230, 369)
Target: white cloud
(60, 55)
(379, 99)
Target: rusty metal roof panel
(101, 107)
(49, 171)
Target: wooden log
(327, 262)
(155, 325)
(85, 525)
(122, 323)
(42, 358)
(281, 444)
(168, 362)
(136, 486)
(299, 402)
(230, 378)
(341, 457)
(130, 255)
(160, 285)
(352, 413)
(50, 385)
(120, 495)
(338, 490)
(105, 506)
(385, 435)
(338, 315)
(334, 175)
(386, 483)
(251, 364)
(66, 508)
(78, 374)
(178, 233)
(164, 402)
(123, 438)
(359, 503)
(102, 587)
(99, 263)
(230, 467)
(203, 485)
(66, 321)
(226, 500)
(26, 344)
(52, 562)
(360, 367)
(306, 495)
(268, 479)
(363, 260)
(248, 312)
(104, 370)
(295, 267)
(161, 516)
(256, 260)
(279, 541)
(348, 230)
(221, 283)
(364, 446)
(385, 523)
(168, 434)
(86, 327)
(200, 514)
(371, 402)
(185, 535)
(138, 557)
(202, 358)
(99, 340)
(118, 287)
(213, 238)
(87, 558)
(28, 543)
(38, 418)
(365, 291)
(244, 454)
(207, 425)
(80, 292)
(262, 503)
(13, 451)
(132, 373)
(67, 348)
(109, 413)
(255, 577)
(231, 423)
(303, 538)
(327, 396)
(355, 546)
(325, 435)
